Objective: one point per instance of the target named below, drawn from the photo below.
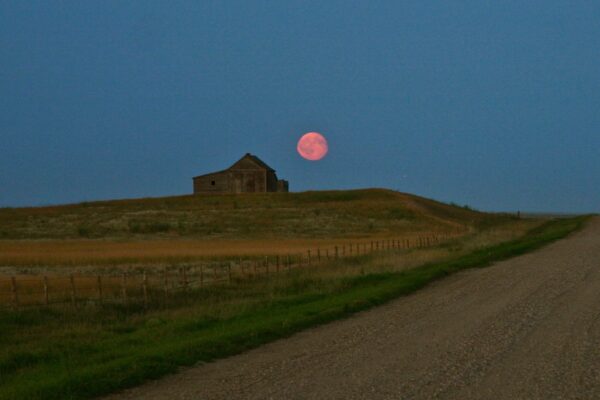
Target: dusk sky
(494, 104)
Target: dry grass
(114, 253)
(107, 238)
(191, 228)
(403, 260)
(308, 215)
(118, 287)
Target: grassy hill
(308, 215)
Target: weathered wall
(271, 181)
(248, 181)
(283, 186)
(233, 181)
(212, 183)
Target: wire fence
(152, 286)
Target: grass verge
(55, 357)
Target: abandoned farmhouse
(248, 175)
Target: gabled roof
(210, 173)
(249, 156)
(255, 160)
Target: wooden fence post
(185, 280)
(99, 286)
(145, 288)
(267, 264)
(15, 291)
(73, 294)
(166, 285)
(289, 263)
(277, 262)
(201, 275)
(336, 252)
(309, 258)
(124, 287)
(46, 300)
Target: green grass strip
(160, 352)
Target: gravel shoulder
(525, 328)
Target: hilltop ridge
(311, 214)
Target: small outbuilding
(248, 175)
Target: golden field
(59, 253)
(191, 228)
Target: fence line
(146, 287)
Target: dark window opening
(212, 183)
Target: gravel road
(526, 328)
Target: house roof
(249, 156)
(254, 159)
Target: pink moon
(312, 146)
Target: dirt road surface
(526, 328)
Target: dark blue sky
(495, 104)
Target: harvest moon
(312, 146)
